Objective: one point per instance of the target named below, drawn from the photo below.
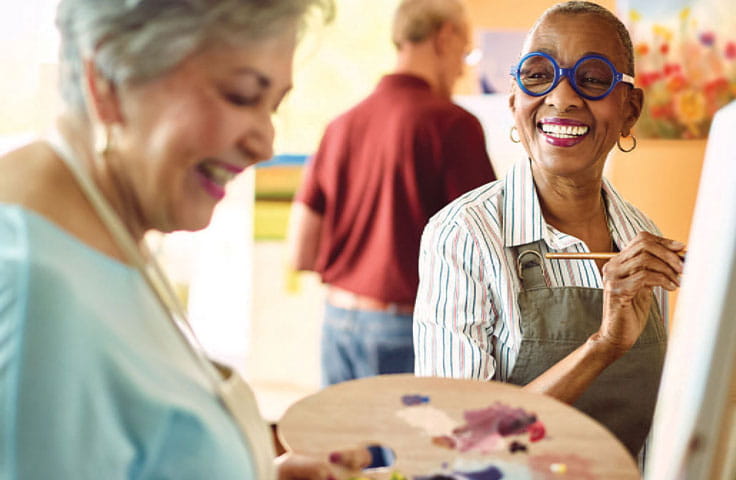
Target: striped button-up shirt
(467, 319)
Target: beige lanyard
(231, 389)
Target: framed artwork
(685, 54)
(499, 50)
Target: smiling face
(181, 137)
(563, 133)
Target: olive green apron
(556, 321)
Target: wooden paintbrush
(591, 255)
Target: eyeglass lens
(593, 76)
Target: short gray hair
(417, 20)
(138, 40)
(590, 8)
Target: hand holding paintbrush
(629, 278)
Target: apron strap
(530, 266)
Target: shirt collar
(624, 220)
(523, 220)
(402, 80)
(524, 223)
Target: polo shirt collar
(405, 80)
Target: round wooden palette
(371, 411)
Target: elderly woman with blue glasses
(492, 305)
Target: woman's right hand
(628, 279)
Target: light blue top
(94, 380)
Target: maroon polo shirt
(382, 169)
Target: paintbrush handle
(581, 255)
(590, 255)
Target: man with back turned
(382, 169)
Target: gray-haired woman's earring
(103, 140)
(511, 135)
(626, 150)
(102, 144)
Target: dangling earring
(511, 135)
(633, 145)
(103, 144)
(102, 140)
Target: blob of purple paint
(414, 399)
(486, 426)
(490, 473)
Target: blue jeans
(360, 343)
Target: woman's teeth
(564, 131)
(216, 172)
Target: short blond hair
(417, 20)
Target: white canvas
(701, 352)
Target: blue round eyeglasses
(592, 77)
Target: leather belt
(351, 301)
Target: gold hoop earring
(633, 145)
(511, 135)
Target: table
(371, 411)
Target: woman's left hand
(628, 279)
(293, 466)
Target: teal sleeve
(13, 289)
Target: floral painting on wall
(685, 53)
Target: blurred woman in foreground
(101, 377)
